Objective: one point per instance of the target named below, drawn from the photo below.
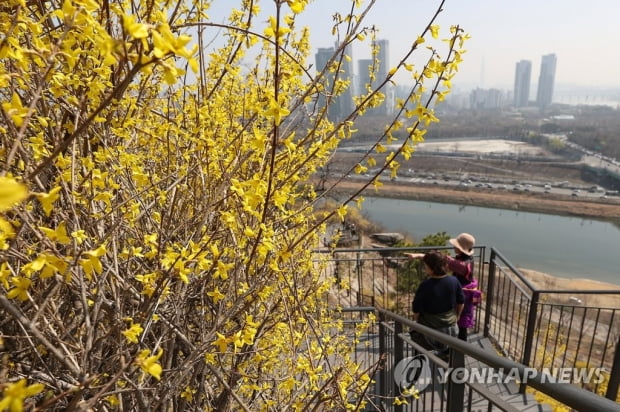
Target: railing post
(398, 356)
(382, 357)
(489, 295)
(398, 343)
(456, 384)
(358, 269)
(531, 326)
(529, 333)
(614, 377)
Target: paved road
(500, 147)
(486, 184)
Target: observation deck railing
(546, 330)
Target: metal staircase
(518, 326)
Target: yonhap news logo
(414, 374)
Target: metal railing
(446, 385)
(544, 328)
(539, 328)
(369, 276)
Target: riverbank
(525, 202)
(548, 282)
(604, 209)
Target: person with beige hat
(462, 266)
(464, 244)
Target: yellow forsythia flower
(5, 272)
(92, 263)
(58, 235)
(296, 6)
(47, 199)
(136, 30)
(216, 295)
(20, 291)
(188, 393)
(133, 333)
(79, 236)
(221, 342)
(400, 401)
(14, 394)
(11, 192)
(15, 109)
(342, 212)
(149, 363)
(276, 111)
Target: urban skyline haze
(502, 34)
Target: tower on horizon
(364, 68)
(321, 58)
(384, 68)
(523, 74)
(371, 72)
(544, 96)
(342, 105)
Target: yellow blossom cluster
(157, 204)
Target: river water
(570, 247)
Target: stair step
(526, 402)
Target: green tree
(411, 274)
(158, 209)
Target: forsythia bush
(156, 211)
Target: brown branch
(64, 359)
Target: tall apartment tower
(340, 106)
(321, 58)
(345, 100)
(384, 68)
(364, 67)
(544, 96)
(384, 58)
(523, 75)
(380, 68)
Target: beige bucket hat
(465, 243)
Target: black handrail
(613, 384)
(533, 288)
(533, 299)
(570, 395)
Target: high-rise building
(364, 68)
(322, 57)
(544, 96)
(384, 58)
(340, 106)
(345, 99)
(384, 67)
(523, 74)
(379, 69)
(486, 99)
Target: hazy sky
(584, 35)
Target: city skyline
(582, 38)
(525, 91)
